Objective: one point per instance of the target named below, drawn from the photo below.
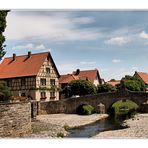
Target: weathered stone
(15, 119)
(70, 105)
(100, 108)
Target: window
(9, 83)
(52, 82)
(23, 82)
(43, 82)
(47, 70)
(23, 94)
(52, 95)
(43, 95)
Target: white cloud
(88, 62)
(31, 46)
(40, 47)
(116, 60)
(144, 35)
(135, 68)
(118, 41)
(52, 27)
(66, 68)
(27, 46)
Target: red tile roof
(143, 76)
(113, 83)
(83, 75)
(67, 78)
(23, 66)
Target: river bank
(56, 125)
(137, 128)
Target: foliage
(85, 109)
(124, 107)
(132, 83)
(81, 87)
(60, 134)
(3, 14)
(106, 88)
(4, 91)
(66, 127)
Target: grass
(66, 127)
(60, 134)
(85, 110)
(123, 108)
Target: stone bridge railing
(70, 105)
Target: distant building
(32, 75)
(90, 75)
(142, 76)
(113, 82)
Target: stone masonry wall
(15, 119)
(107, 99)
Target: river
(94, 128)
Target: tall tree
(132, 83)
(3, 14)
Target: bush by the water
(123, 108)
(85, 109)
(5, 93)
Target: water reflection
(110, 123)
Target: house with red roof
(90, 75)
(142, 76)
(32, 75)
(113, 82)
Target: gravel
(138, 128)
(56, 125)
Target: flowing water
(92, 129)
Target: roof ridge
(27, 54)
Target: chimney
(29, 54)
(14, 57)
(77, 72)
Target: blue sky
(114, 42)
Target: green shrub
(125, 108)
(66, 127)
(106, 88)
(81, 87)
(4, 91)
(85, 109)
(60, 134)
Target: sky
(114, 42)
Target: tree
(81, 87)
(5, 93)
(3, 14)
(132, 83)
(106, 88)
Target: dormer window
(47, 70)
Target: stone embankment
(137, 128)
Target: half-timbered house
(32, 75)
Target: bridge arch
(71, 104)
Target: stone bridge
(70, 105)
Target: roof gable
(22, 65)
(143, 76)
(82, 75)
